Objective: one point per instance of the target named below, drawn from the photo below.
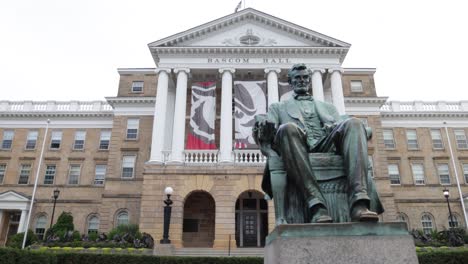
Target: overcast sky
(71, 49)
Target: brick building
(112, 159)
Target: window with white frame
(412, 139)
(31, 139)
(74, 174)
(104, 139)
(444, 174)
(394, 173)
(401, 217)
(137, 86)
(93, 224)
(122, 218)
(100, 174)
(2, 172)
(356, 86)
(389, 140)
(436, 136)
(418, 173)
(460, 137)
(465, 172)
(427, 224)
(80, 137)
(56, 139)
(453, 221)
(128, 166)
(132, 128)
(25, 171)
(41, 224)
(50, 174)
(7, 140)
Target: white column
(159, 120)
(317, 84)
(22, 222)
(225, 148)
(337, 89)
(178, 136)
(272, 82)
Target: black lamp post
(447, 195)
(167, 215)
(55, 197)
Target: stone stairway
(210, 252)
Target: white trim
(135, 71)
(11, 200)
(418, 122)
(57, 123)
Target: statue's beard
(301, 89)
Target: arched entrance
(251, 219)
(199, 220)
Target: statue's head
(299, 78)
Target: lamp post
(452, 240)
(55, 197)
(167, 215)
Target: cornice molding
(424, 114)
(56, 114)
(130, 100)
(366, 100)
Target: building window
(132, 128)
(401, 217)
(104, 139)
(465, 172)
(41, 224)
(426, 221)
(137, 86)
(2, 172)
(418, 173)
(56, 139)
(394, 174)
(444, 174)
(412, 139)
(25, 170)
(74, 174)
(370, 167)
(436, 136)
(128, 166)
(389, 141)
(7, 139)
(80, 137)
(49, 174)
(455, 222)
(356, 86)
(93, 224)
(460, 136)
(122, 218)
(100, 174)
(31, 139)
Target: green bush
(131, 230)
(16, 241)
(443, 256)
(64, 222)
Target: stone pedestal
(359, 243)
(163, 250)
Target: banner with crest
(285, 91)
(202, 116)
(249, 100)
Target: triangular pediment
(249, 28)
(12, 196)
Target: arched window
(426, 221)
(401, 217)
(122, 218)
(455, 222)
(93, 224)
(41, 223)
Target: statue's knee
(354, 123)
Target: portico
(14, 209)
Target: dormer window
(137, 87)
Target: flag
(202, 116)
(238, 7)
(249, 100)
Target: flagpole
(35, 185)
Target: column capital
(321, 70)
(334, 69)
(167, 70)
(186, 70)
(222, 70)
(268, 70)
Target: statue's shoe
(362, 214)
(321, 216)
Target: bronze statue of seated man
(299, 126)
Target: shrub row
(16, 256)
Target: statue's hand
(328, 127)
